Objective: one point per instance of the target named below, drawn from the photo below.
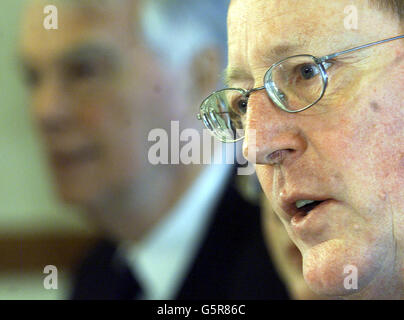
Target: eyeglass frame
(319, 61)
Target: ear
(205, 71)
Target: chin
(77, 194)
(330, 268)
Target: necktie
(104, 275)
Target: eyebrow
(89, 51)
(232, 74)
(273, 55)
(281, 51)
(85, 51)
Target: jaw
(353, 270)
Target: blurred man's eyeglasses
(294, 84)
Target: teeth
(302, 203)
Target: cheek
(106, 110)
(401, 168)
(109, 121)
(93, 105)
(265, 177)
(379, 146)
(367, 139)
(92, 116)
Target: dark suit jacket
(232, 262)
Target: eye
(308, 71)
(242, 105)
(237, 102)
(83, 70)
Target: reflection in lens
(223, 113)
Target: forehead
(263, 31)
(76, 26)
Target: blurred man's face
(96, 93)
(346, 151)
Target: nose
(273, 136)
(51, 107)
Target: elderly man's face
(346, 151)
(96, 93)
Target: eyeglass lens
(292, 84)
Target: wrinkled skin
(348, 149)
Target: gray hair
(177, 29)
(396, 7)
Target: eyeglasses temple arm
(331, 56)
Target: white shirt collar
(162, 258)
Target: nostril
(277, 157)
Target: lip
(288, 205)
(301, 217)
(311, 228)
(76, 156)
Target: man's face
(346, 151)
(96, 92)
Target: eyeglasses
(294, 84)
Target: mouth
(304, 208)
(77, 156)
(298, 207)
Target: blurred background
(37, 230)
(34, 226)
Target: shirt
(161, 259)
